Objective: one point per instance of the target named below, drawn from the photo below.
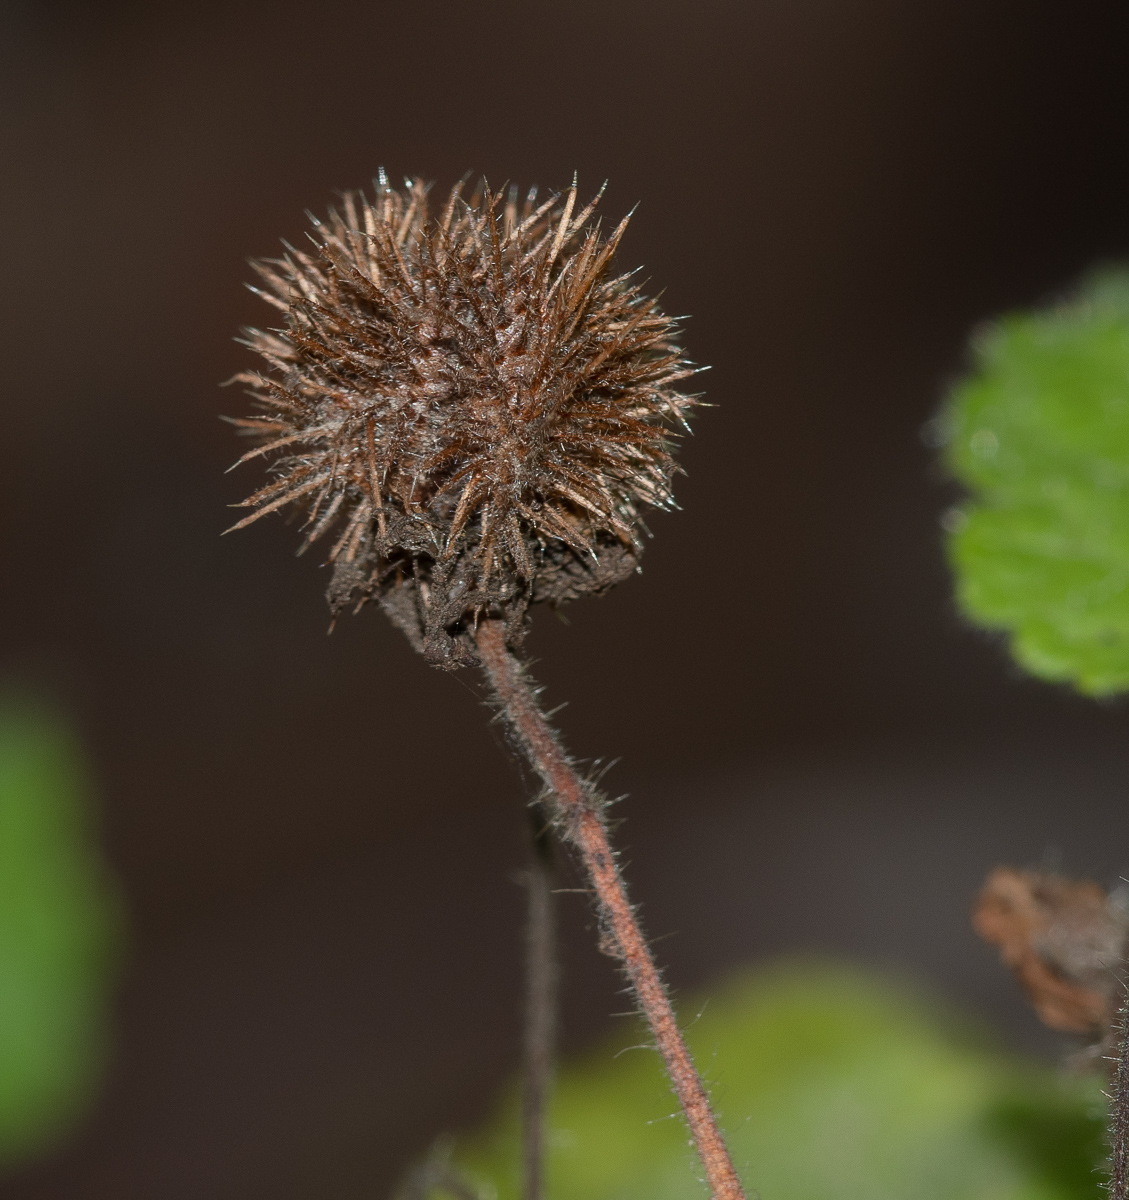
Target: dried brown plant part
(476, 409)
(580, 820)
(1064, 940)
(472, 402)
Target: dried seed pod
(473, 403)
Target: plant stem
(1119, 1109)
(582, 821)
(540, 1010)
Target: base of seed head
(472, 403)
(437, 601)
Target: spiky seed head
(471, 404)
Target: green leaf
(1039, 434)
(831, 1085)
(59, 926)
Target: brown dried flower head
(472, 404)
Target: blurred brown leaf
(1063, 938)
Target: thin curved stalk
(582, 822)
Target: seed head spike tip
(475, 403)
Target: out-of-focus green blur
(59, 932)
(831, 1085)
(1039, 434)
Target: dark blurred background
(318, 837)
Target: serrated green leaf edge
(1039, 434)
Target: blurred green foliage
(59, 932)
(1039, 433)
(831, 1085)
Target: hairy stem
(540, 1011)
(583, 824)
(1119, 1109)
